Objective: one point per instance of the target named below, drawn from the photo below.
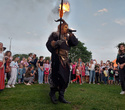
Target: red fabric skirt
(45, 72)
(2, 81)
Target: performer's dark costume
(59, 76)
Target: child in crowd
(20, 73)
(77, 75)
(12, 80)
(105, 75)
(87, 72)
(97, 74)
(73, 71)
(46, 71)
(116, 75)
(83, 72)
(111, 74)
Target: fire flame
(66, 8)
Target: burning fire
(66, 8)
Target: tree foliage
(80, 51)
(20, 56)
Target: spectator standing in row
(73, 70)
(97, 74)
(8, 59)
(92, 71)
(83, 72)
(111, 74)
(12, 80)
(2, 61)
(20, 73)
(87, 72)
(40, 70)
(46, 71)
(34, 62)
(105, 75)
(116, 75)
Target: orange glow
(65, 8)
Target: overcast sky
(100, 24)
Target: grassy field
(82, 97)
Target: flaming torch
(63, 7)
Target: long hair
(29, 69)
(62, 26)
(1, 49)
(120, 52)
(6, 54)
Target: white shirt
(1, 56)
(14, 64)
(92, 66)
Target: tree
(80, 51)
(20, 56)
(47, 58)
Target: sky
(100, 25)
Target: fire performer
(59, 76)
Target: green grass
(82, 97)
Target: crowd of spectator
(33, 70)
(93, 72)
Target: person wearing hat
(59, 77)
(121, 63)
(2, 61)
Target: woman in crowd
(46, 71)
(40, 70)
(28, 79)
(121, 63)
(92, 71)
(2, 61)
(12, 80)
(8, 59)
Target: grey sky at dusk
(100, 24)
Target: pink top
(80, 69)
(83, 70)
(73, 68)
(47, 68)
(24, 63)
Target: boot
(61, 97)
(53, 96)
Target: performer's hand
(71, 34)
(58, 42)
